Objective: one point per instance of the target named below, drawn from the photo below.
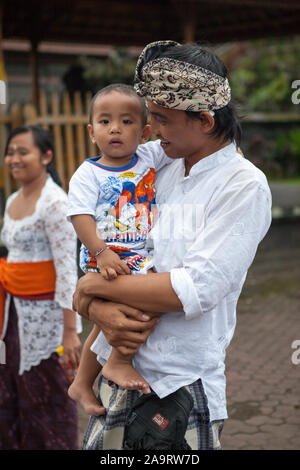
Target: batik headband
(178, 85)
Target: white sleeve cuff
(186, 292)
(83, 211)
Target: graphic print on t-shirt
(125, 206)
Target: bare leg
(119, 370)
(81, 389)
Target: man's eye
(159, 120)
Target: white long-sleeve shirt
(210, 224)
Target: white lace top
(42, 236)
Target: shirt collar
(213, 160)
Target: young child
(111, 206)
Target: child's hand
(110, 265)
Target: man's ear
(145, 134)
(207, 121)
(91, 133)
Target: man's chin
(173, 155)
(169, 151)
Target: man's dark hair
(227, 124)
(121, 88)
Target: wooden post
(58, 140)
(69, 138)
(80, 128)
(189, 31)
(92, 148)
(2, 68)
(188, 18)
(34, 72)
(43, 107)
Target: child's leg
(81, 389)
(119, 370)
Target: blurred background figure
(38, 279)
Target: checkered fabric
(107, 432)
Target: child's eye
(104, 121)
(126, 121)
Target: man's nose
(155, 129)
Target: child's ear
(145, 134)
(91, 133)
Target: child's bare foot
(83, 394)
(122, 373)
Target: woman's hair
(121, 88)
(43, 140)
(227, 124)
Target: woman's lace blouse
(42, 236)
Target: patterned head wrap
(178, 85)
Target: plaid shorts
(107, 432)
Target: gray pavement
(285, 199)
(263, 384)
(285, 195)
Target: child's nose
(115, 127)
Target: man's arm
(151, 293)
(213, 266)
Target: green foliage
(287, 152)
(261, 79)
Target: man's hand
(83, 294)
(124, 327)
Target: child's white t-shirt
(121, 199)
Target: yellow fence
(67, 123)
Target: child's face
(180, 136)
(117, 127)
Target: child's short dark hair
(122, 88)
(227, 124)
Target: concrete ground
(262, 367)
(263, 383)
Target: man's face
(180, 135)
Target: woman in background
(38, 279)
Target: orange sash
(26, 281)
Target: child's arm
(108, 261)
